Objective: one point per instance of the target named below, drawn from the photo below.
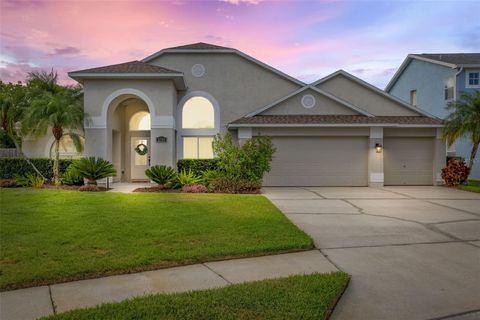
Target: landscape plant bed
(297, 297)
(51, 236)
(170, 190)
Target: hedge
(197, 166)
(9, 167)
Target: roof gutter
(177, 78)
(332, 125)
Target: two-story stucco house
(431, 81)
(338, 131)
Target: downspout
(455, 81)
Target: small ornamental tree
(243, 162)
(464, 121)
(455, 173)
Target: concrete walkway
(32, 303)
(413, 252)
(128, 187)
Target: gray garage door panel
(408, 161)
(319, 161)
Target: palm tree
(13, 103)
(464, 121)
(54, 107)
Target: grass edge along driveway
(297, 297)
(51, 236)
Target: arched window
(198, 113)
(67, 148)
(199, 124)
(140, 121)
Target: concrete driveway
(413, 252)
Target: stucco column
(439, 157)
(375, 159)
(244, 134)
(162, 151)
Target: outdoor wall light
(378, 148)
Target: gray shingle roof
(337, 119)
(128, 67)
(200, 46)
(453, 58)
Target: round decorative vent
(198, 70)
(308, 101)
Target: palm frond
(77, 140)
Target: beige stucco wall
(38, 147)
(364, 98)
(238, 85)
(324, 105)
(161, 92)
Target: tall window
(448, 93)
(140, 121)
(198, 124)
(413, 98)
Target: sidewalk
(35, 302)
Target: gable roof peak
(199, 46)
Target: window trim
(203, 132)
(467, 76)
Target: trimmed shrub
(227, 185)
(185, 178)
(194, 188)
(8, 183)
(72, 177)
(94, 169)
(89, 188)
(455, 173)
(161, 175)
(11, 167)
(197, 166)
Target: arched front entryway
(129, 137)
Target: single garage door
(319, 161)
(408, 161)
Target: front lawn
(297, 297)
(52, 236)
(472, 185)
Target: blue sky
(306, 39)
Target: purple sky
(306, 39)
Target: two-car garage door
(319, 161)
(343, 161)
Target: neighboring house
(338, 131)
(431, 81)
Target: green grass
(297, 297)
(50, 236)
(472, 185)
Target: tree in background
(13, 104)
(464, 121)
(54, 107)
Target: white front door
(139, 162)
